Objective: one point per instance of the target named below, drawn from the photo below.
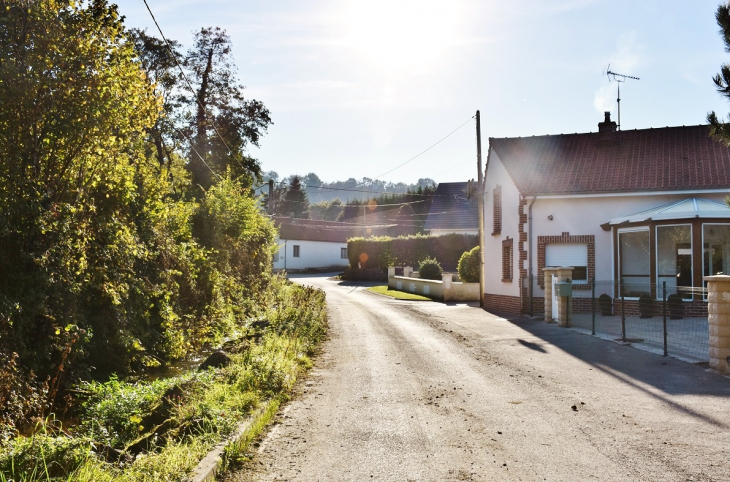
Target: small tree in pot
(646, 306)
(676, 306)
(605, 303)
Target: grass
(400, 295)
(213, 402)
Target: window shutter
(566, 255)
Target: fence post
(593, 306)
(664, 313)
(623, 318)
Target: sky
(358, 87)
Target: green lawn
(401, 295)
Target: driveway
(433, 391)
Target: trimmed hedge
(381, 252)
(430, 268)
(469, 266)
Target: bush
(429, 268)
(381, 252)
(469, 266)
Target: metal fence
(667, 320)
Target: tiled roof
(450, 209)
(312, 230)
(671, 158)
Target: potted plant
(646, 306)
(605, 302)
(676, 306)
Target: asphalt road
(430, 391)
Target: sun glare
(402, 35)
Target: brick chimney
(607, 125)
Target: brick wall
(509, 305)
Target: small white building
(311, 244)
(635, 208)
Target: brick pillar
(565, 275)
(391, 271)
(548, 280)
(718, 317)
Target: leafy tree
(160, 61)
(326, 210)
(222, 122)
(720, 129)
(74, 108)
(295, 202)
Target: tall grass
(207, 407)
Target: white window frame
(343, 253)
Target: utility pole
(480, 209)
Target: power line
(425, 151)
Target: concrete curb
(210, 466)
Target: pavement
(447, 391)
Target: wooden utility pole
(480, 209)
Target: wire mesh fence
(662, 318)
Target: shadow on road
(654, 375)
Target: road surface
(427, 391)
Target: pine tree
(296, 202)
(720, 129)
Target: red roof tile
(671, 158)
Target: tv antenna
(618, 78)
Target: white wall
(583, 216)
(312, 254)
(443, 232)
(493, 284)
(576, 215)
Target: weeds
(159, 430)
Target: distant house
(637, 208)
(306, 243)
(452, 210)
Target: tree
(221, 121)
(75, 108)
(720, 129)
(295, 202)
(160, 61)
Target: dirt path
(427, 391)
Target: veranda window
(634, 262)
(674, 259)
(716, 252)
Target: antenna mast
(618, 78)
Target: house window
(343, 253)
(507, 260)
(276, 257)
(569, 254)
(716, 249)
(634, 262)
(296, 250)
(674, 259)
(497, 210)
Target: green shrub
(429, 268)
(381, 252)
(469, 266)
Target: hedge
(381, 252)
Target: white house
(637, 208)
(311, 244)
